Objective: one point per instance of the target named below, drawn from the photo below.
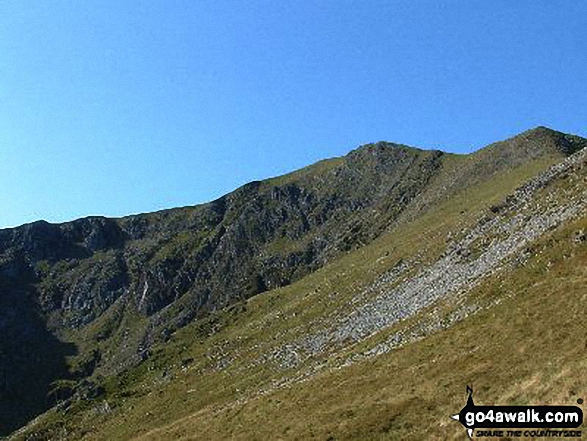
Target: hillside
(336, 301)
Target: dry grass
(529, 348)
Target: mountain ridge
(128, 284)
(534, 132)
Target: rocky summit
(246, 317)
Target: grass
(309, 171)
(207, 381)
(530, 349)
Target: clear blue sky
(118, 107)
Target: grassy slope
(167, 249)
(370, 399)
(530, 348)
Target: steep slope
(120, 289)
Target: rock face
(129, 282)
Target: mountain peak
(541, 133)
(536, 142)
(541, 130)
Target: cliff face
(263, 235)
(125, 284)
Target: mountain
(205, 321)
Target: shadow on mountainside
(31, 359)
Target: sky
(119, 107)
